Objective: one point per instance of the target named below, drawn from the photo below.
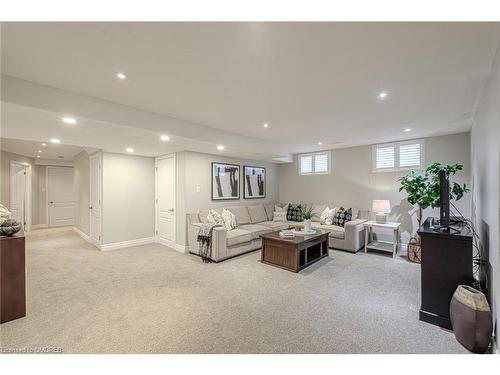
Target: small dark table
(13, 278)
(296, 253)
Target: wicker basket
(414, 253)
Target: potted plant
(307, 215)
(423, 189)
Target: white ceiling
(48, 152)
(310, 81)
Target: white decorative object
(4, 213)
(229, 219)
(215, 218)
(303, 232)
(327, 216)
(307, 225)
(279, 216)
(280, 209)
(381, 207)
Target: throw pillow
(342, 216)
(327, 216)
(280, 209)
(279, 216)
(215, 218)
(294, 212)
(229, 219)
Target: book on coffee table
(286, 234)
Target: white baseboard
(124, 244)
(81, 234)
(172, 245)
(38, 226)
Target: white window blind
(321, 163)
(410, 155)
(385, 157)
(314, 163)
(398, 156)
(306, 164)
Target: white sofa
(254, 220)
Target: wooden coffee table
(296, 253)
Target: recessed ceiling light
(382, 95)
(39, 151)
(44, 144)
(320, 143)
(38, 156)
(165, 137)
(129, 149)
(69, 120)
(121, 76)
(220, 147)
(266, 125)
(55, 140)
(407, 130)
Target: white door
(60, 196)
(95, 198)
(165, 200)
(17, 192)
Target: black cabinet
(446, 263)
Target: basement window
(398, 156)
(314, 163)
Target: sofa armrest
(218, 240)
(355, 233)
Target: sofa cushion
(204, 213)
(275, 225)
(238, 236)
(317, 209)
(269, 211)
(229, 219)
(342, 216)
(257, 213)
(279, 216)
(256, 229)
(294, 212)
(241, 213)
(335, 230)
(215, 218)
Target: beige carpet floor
(150, 299)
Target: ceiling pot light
(382, 95)
(55, 140)
(129, 149)
(165, 137)
(121, 76)
(39, 151)
(220, 147)
(38, 156)
(44, 144)
(266, 125)
(320, 143)
(69, 120)
(407, 130)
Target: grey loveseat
(254, 220)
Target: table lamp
(381, 207)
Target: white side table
(382, 245)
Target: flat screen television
(444, 200)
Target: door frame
(157, 237)
(47, 215)
(95, 155)
(27, 192)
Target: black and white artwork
(254, 182)
(225, 181)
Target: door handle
(170, 210)
(51, 202)
(90, 207)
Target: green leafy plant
(307, 213)
(423, 189)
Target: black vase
(471, 319)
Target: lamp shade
(381, 206)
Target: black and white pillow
(294, 212)
(342, 216)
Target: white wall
(81, 185)
(128, 198)
(485, 145)
(352, 182)
(194, 169)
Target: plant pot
(307, 225)
(470, 316)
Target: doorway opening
(20, 193)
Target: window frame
(313, 165)
(397, 160)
